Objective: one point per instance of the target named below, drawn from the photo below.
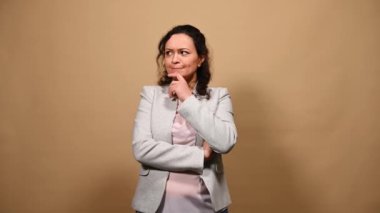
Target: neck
(192, 82)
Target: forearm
(218, 131)
(168, 157)
(158, 153)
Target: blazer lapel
(164, 114)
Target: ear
(202, 59)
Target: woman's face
(181, 56)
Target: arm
(161, 154)
(218, 128)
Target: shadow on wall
(261, 178)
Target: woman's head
(183, 49)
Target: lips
(172, 70)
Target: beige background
(304, 78)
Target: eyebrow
(178, 49)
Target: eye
(168, 53)
(184, 52)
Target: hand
(207, 151)
(179, 88)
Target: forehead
(181, 40)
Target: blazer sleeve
(161, 154)
(217, 128)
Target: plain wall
(304, 77)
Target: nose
(175, 59)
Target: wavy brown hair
(203, 72)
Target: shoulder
(149, 91)
(218, 89)
(218, 92)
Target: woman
(182, 128)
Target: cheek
(191, 69)
(166, 64)
(166, 61)
(192, 63)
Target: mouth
(175, 69)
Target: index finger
(180, 77)
(173, 75)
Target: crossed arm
(218, 129)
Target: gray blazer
(153, 148)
